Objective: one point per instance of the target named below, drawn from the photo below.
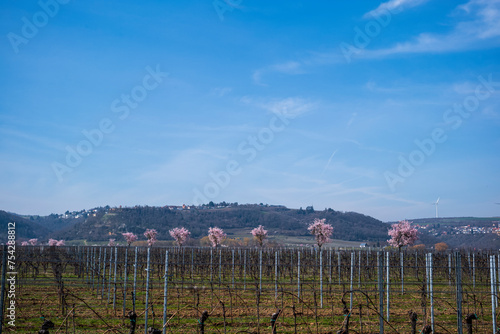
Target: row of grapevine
(315, 290)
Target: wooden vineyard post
(192, 265)
(359, 270)
(380, 266)
(147, 293)
(388, 283)
(89, 265)
(427, 273)
(114, 283)
(232, 273)
(338, 264)
(459, 291)
(125, 282)
(449, 269)
(92, 266)
(110, 272)
(260, 271)
(495, 280)
(85, 270)
(416, 265)
(79, 257)
(165, 293)
(352, 273)
(401, 261)
(330, 264)
(211, 264)
(135, 280)
(493, 296)
(474, 270)
(99, 272)
(276, 276)
(298, 274)
(431, 290)
(321, 276)
(103, 274)
(220, 266)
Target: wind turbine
(436, 204)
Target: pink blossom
(33, 242)
(216, 235)
(260, 234)
(180, 234)
(151, 235)
(321, 231)
(25, 243)
(129, 237)
(111, 242)
(60, 243)
(52, 242)
(402, 234)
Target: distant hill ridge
(101, 224)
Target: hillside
(25, 228)
(101, 224)
(277, 219)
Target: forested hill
(24, 228)
(103, 224)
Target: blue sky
(368, 106)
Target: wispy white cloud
(30, 138)
(289, 107)
(490, 113)
(328, 162)
(478, 28)
(288, 67)
(394, 6)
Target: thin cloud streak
(328, 163)
(479, 29)
(394, 6)
(289, 67)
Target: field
(94, 289)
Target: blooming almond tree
(33, 242)
(180, 234)
(151, 235)
(54, 242)
(129, 237)
(25, 243)
(216, 236)
(402, 234)
(111, 242)
(259, 234)
(321, 231)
